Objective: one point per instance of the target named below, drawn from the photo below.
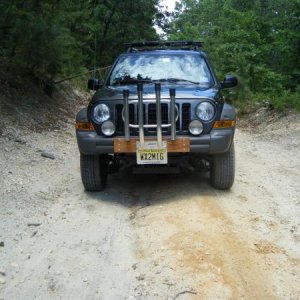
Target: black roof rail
(135, 46)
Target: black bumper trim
(217, 141)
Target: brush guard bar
(141, 126)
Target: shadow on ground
(132, 190)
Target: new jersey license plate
(151, 153)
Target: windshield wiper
(131, 81)
(176, 80)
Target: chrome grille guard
(141, 126)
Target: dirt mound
(273, 125)
(27, 107)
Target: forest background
(256, 40)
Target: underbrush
(283, 101)
(248, 102)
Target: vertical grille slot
(131, 113)
(186, 116)
(178, 119)
(152, 113)
(164, 113)
(119, 119)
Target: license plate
(150, 153)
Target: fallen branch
(81, 74)
(184, 292)
(34, 224)
(34, 233)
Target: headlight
(205, 111)
(101, 113)
(195, 127)
(108, 128)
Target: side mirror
(94, 84)
(229, 81)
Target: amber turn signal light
(84, 126)
(224, 124)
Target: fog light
(108, 128)
(195, 127)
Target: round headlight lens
(108, 128)
(205, 111)
(101, 113)
(195, 127)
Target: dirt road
(150, 237)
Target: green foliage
(52, 38)
(117, 22)
(256, 40)
(284, 100)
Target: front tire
(93, 172)
(223, 169)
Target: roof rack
(187, 45)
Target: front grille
(182, 123)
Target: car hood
(182, 91)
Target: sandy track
(149, 237)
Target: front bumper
(217, 141)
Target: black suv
(159, 109)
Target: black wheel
(93, 171)
(223, 169)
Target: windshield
(175, 68)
